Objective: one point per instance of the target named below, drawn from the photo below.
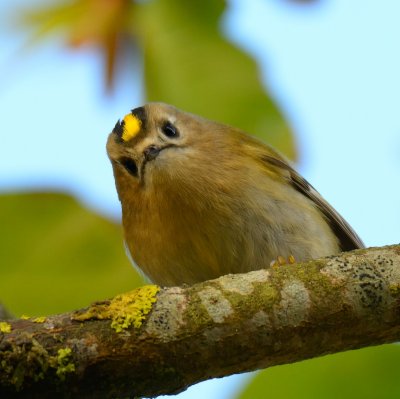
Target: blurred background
(318, 79)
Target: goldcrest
(201, 199)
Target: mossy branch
(155, 341)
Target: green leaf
(188, 63)
(187, 60)
(55, 255)
(368, 373)
(49, 20)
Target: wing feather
(348, 238)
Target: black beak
(151, 152)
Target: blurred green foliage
(368, 373)
(188, 62)
(55, 255)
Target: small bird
(201, 199)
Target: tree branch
(155, 341)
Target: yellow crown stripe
(131, 127)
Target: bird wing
(348, 238)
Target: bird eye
(170, 130)
(130, 165)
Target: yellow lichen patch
(131, 308)
(25, 317)
(394, 289)
(64, 364)
(131, 127)
(5, 327)
(40, 319)
(124, 310)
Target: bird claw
(280, 261)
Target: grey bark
(233, 324)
